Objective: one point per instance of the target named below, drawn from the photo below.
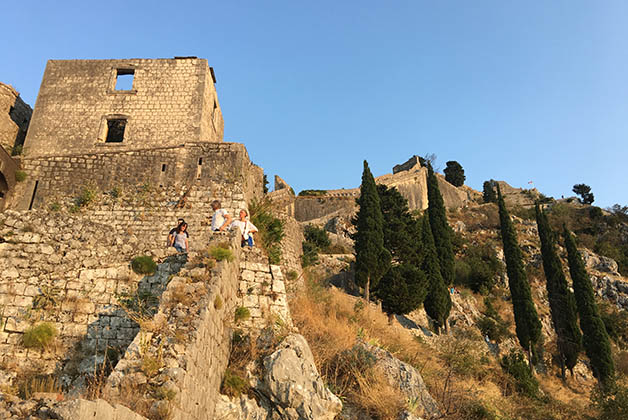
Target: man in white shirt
(221, 219)
(246, 228)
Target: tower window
(115, 130)
(163, 167)
(124, 79)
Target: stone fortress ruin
(112, 154)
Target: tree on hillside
(441, 231)
(584, 191)
(371, 258)
(562, 302)
(527, 322)
(401, 230)
(438, 302)
(595, 338)
(488, 192)
(454, 174)
(402, 289)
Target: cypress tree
(402, 289)
(440, 228)
(528, 325)
(595, 338)
(438, 302)
(371, 258)
(561, 300)
(488, 192)
(401, 230)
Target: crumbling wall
(72, 273)
(164, 107)
(8, 167)
(15, 116)
(189, 338)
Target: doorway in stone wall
(4, 190)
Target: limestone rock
(406, 378)
(293, 383)
(599, 262)
(243, 408)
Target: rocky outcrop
(45, 406)
(599, 262)
(407, 379)
(293, 384)
(290, 389)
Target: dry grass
(466, 382)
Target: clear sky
(515, 91)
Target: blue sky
(515, 91)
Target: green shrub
(86, 196)
(233, 385)
(476, 410)
(20, 176)
(317, 236)
(17, 150)
(611, 405)
(54, 206)
(115, 192)
(615, 322)
(220, 253)
(516, 366)
(312, 193)
(292, 275)
(310, 254)
(274, 254)
(242, 314)
(495, 330)
(478, 268)
(39, 336)
(271, 228)
(143, 264)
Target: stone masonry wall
(189, 339)
(262, 290)
(208, 166)
(15, 116)
(8, 167)
(164, 107)
(72, 273)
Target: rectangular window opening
(115, 130)
(124, 79)
(163, 167)
(200, 161)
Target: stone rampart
(73, 274)
(204, 166)
(411, 183)
(187, 343)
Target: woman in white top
(246, 228)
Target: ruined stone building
(15, 116)
(108, 125)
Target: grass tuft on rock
(220, 253)
(39, 336)
(242, 314)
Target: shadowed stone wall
(15, 116)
